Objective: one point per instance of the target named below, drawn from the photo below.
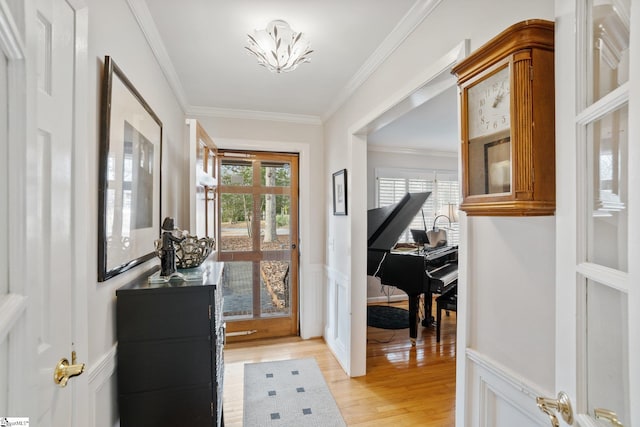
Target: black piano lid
(386, 224)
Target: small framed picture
(340, 192)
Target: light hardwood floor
(404, 385)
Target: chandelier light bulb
(278, 47)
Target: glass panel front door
(258, 243)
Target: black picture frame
(129, 193)
(340, 192)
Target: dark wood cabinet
(170, 351)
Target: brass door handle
(605, 414)
(560, 405)
(63, 370)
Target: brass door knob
(560, 405)
(605, 414)
(65, 370)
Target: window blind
(443, 185)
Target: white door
(52, 236)
(41, 233)
(598, 196)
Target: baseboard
(103, 369)
(102, 389)
(383, 299)
(337, 327)
(312, 317)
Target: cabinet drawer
(167, 408)
(151, 316)
(154, 365)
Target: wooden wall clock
(508, 127)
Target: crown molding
(418, 12)
(411, 151)
(252, 115)
(146, 23)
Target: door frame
(276, 326)
(634, 226)
(14, 305)
(82, 412)
(310, 289)
(351, 351)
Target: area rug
(387, 317)
(288, 393)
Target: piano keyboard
(431, 254)
(443, 276)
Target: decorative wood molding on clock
(508, 123)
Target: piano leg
(414, 301)
(428, 310)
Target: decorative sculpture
(177, 249)
(192, 251)
(167, 250)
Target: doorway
(347, 317)
(258, 223)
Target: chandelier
(278, 47)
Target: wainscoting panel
(103, 391)
(336, 332)
(498, 397)
(312, 297)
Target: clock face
(488, 105)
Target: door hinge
(212, 414)
(209, 311)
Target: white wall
(511, 288)
(113, 31)
(493, 240)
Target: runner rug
(288, 393)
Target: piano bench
(447, 301)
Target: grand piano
(424, 270)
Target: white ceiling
(432, 126)
(200, 46)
